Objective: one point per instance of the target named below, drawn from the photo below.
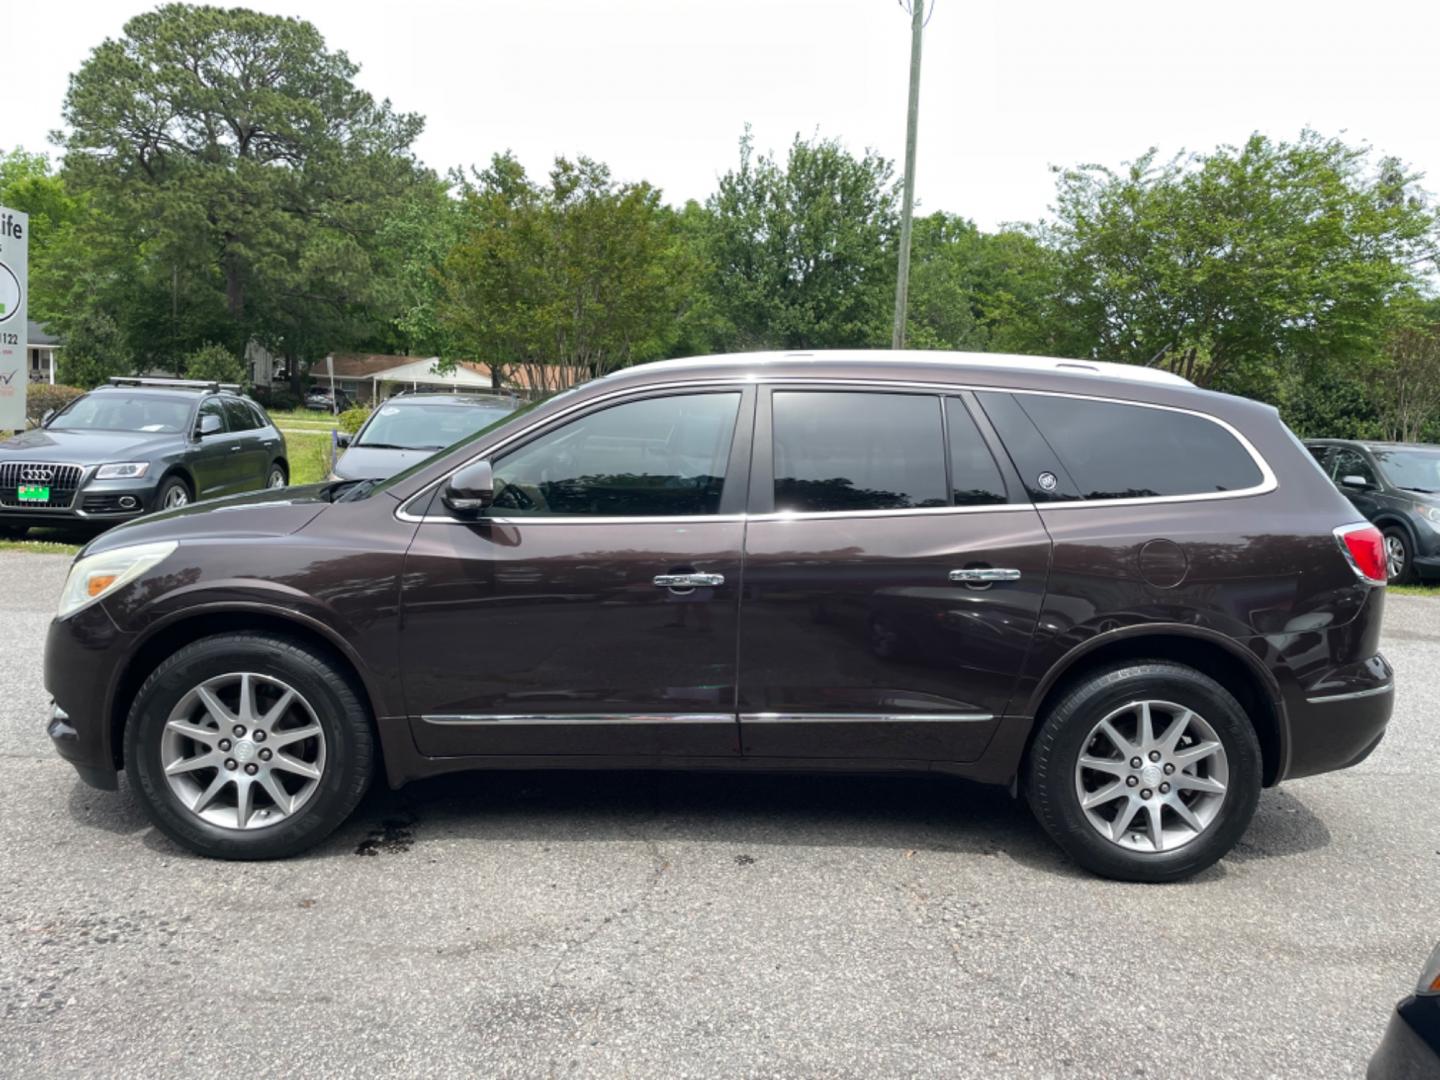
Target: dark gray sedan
(410, 427)
(134, 446)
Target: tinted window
(657, 457)
(1319, 453)
(1117, 451)
(842, 451)
(210, 407)
(237, 416)
(261, 420)
(974, 476)
(1045, 479)
(1352, 463)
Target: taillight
(1364, 547)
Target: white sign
(14, 343)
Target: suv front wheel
(1149, 771)
(245, 746)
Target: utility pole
(907, 206)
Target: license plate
(32, 493)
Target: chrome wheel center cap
(1151, 775)
(244, 750)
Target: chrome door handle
(688, 581)
(984, 574)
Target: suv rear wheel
(244, 746)
(1149, 771)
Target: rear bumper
(1339, 724)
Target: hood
(276, 512)
(87, 447)
(369, 463)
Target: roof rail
(174, 384)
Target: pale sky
(662, 90)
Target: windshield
(504, 421)
(1414, 470)
(117, 411)
(428, 427)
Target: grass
(43, 542)
(309, 456)
(1432, 591)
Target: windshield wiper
(1422, 491)
(382, 446)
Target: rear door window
(238, 416)
(845, 451)
(1113, 450)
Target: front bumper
(101, 502)
(84, 655)
(1410, 1049)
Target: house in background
(369, 377)
(41, 347)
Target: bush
(352, 418)
(40, 398)
(216, 362)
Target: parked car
(1397, 487)
(1410, 1049)
(134, 446)
(1133, 601)
(410, 427)
(322, 399)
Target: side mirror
(210, 424)
(342, 439)
(470, 490)
(1356, 482)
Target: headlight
(95, 575)
(124, 470)
(1430, 513)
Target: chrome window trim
(1268, 481)
(552, 719)
(1374, 691)
(864, 718)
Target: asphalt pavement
(698, 925)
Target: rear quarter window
(1113, 450)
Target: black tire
(1062, 737)
(169, 484)
(1397, 534)
(339, 709)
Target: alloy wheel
(1152, 776)
(176, 496)
(1394, 556)
(276, 479)
(243, 751)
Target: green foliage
(353, 418)
(562, 281)
(1243, 269)
(242, 174)
(212, 361)
(40, 398)
(802, 253)
(94, 350)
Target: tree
(94, 350)
(1243, 268)
(563, 281)
(1408, 388)
(803, 253)
(988, 292)
(232, 150)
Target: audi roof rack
(174, 384)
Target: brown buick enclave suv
(1133, 601)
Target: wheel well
(178, 635)
(183, 473)
(283, 464)
(1204, 656)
